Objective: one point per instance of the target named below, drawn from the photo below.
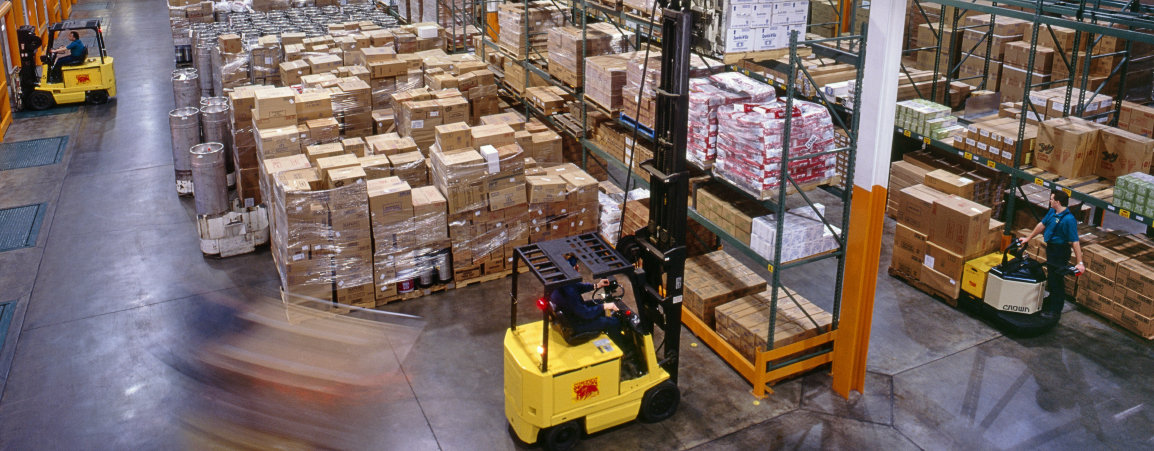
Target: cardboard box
(1018, 55)
(1122, 152)
(545, 188)
(916, 205)
(950, 183)
(1066, 147)
(324, 63)
(943, 284)
(316, 151)
(326, 164)
(274, 103)
(230, 43)
(493, 135)
(946, 262)
(506, 198)
(289, 163)
(292, 71)
(278, 142)
(394, 146)
(959, 225)
(454, 136)
(390, 201)
(336, 178)
(376, 166)
(911, 241)
(313, 105)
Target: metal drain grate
(49, 112)
(19, 226)
(7, 309)
(89, 6)
(27, 154)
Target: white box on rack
(740, 16)
(740, 40)
(769, 38)
(762, 15)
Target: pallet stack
(536, 18)
(1119, 281)
(562, 202)
(714, 279)
(744, 323)
(568, 49)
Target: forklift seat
(563, 324)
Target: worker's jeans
(57, 73)
(1057, 257)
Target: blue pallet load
(645, 131)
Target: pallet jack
(558, 384)
(1010, 294)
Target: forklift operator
(589, 315)
(1059, 229)
(75, 50)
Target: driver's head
(73, 36)
(572, 259)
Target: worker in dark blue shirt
(1059, 230)
(75, 50)
(589, 315)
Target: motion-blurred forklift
(560, 384)
(93, 80)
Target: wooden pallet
(611, 4)
(765, 55)
(613, 113)
(568, 121)
(415, 294)
(484, 278)
(909, 280)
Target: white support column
(879, 93)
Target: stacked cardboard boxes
(744, 323)
(562, 202)
(1119, 281)
(938, 234)
(536, 18)
(728, 210)
(641, 79)
(803, 234)
(233, 60)
(902, 175)
(568, 51)
(605, 78)
(714, 279)
(1135, 192)
(745, 27)
(410, 231)
(708, 94)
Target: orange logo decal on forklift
(586, 389)
(83, 79)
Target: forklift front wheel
(561, 437)
(660, 402)
(41, 100)
(97, 97)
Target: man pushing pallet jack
(1011, 293)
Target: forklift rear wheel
(41, 100)
(660, 402)
(562, 437)
(97, 97)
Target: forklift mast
(28, 43)
(660, 246)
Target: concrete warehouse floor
(116, 279)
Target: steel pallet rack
(759, 372)
(1083, 17)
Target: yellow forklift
(560, 383)
(92, 80)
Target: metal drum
(208, 178)
(408, 280)
(209, 101)
(427, 273)
(215, 120)
(185, 125)
(186, 88)
(444, 266)
(203, 66)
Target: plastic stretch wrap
(706, 95)
(266, 55)
(230, 70)
(410, 235)
(353, 107)
(467, 177)
(804, 234)
(178, 19)
(486, 200)
(566, 47)
(749, 145)
(321, 240)
(641, 80)
(541, 17)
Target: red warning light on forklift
(586, 389)
(83, 79)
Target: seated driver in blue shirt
(75, 50)
(589, 315)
